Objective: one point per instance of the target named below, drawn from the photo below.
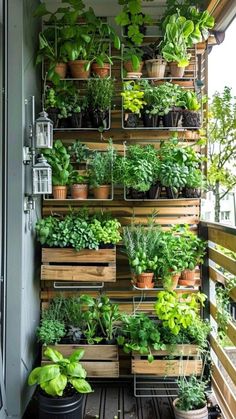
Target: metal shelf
(179, 288)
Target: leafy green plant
(99, 93)
(177, 31)
(176, 314)
(59, 160)
(133, 97)
(191, 393)
(78, 151)
(195, 179)
(106, 231)
(191, 101)
(50, 332)
(193, 247)
(55, 377)
(100, 167)
(134, 19)
(173, 175)
(76, 178)
(160, 100)
(140, 333)
(132, 53)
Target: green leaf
(48, 372)
(76, 370)
(56, 386)
(41, 11)
(34, 376)
(82, 386)
(53, 355)
(77, 355)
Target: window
(225, 215)
(226, 197)
(207, 216)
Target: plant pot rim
(102, 186)
(78, 61)
(79, 184)
(59, 186)
(188, 411)
(156, 60)
(42, 393)
(105, 65)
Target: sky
(222, 63)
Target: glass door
(2, 208)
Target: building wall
(22, 279)
(227, 208)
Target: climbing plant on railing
(223, 315)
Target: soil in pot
(187, 278)
(134, 194)
(128, 65)
(76, 120)
(172, 118)
(69, 407)
(131, 120)
(79, 191)
(59, 192)
(53, 115)
(191, 192)
(61, 69)
(99, 118)
(191, 414)
(102, 192)
(101, 71)
(155, 191)
(77, 69)
(145, 280)
(176, 71)
(156, 68)
(191, 119)
(171, 194)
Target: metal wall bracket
(29, 203)
(78, 285)
(27, 155)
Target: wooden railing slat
(222, 238)
(223, 358)
(224, 261)
(217, 276)
(231, 330)
(223, 392)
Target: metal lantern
(43, 131)
(42, 177)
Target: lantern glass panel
(42, 180)
(44, 134)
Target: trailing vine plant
(223, 315)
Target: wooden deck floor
(115, 400)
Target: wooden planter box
(85, 265)
(98, 360)
(186, 362)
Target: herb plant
(133, 97)
(100, 93)
(191, 394)
(100, 167)
(61, 373)
(223, 304)
(59, 160)
(78, 151)
(50, 332)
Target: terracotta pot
(102, 192)
(145, 280)
(61, 69)
(156, 68)
(59, 192)
(128, 65)
(101, 71)
(79, 191)
(187, 278)
(174, 282)
(77, 69)
(191, 414)
(176, 71)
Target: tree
(222, 146)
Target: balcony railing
(220, 268)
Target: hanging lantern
(42, 177)
(43, 131)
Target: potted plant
(155, 64)
(191, 116)
(169, 103)
(79, 153)
(141, 334)
(59, 160)
(152, 111)
(194, 249)
(133, 20)
(133, 101)
(195, 181)
(61, 383)
(51, 52)
(191, 401)
(51, 105)
(99, 94)
(140, 247)
(177, 30)
(100, 173)
(133, 62)
(79, 185)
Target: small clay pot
(128, 65)
(79, 191)
(145, 280)
(176, 71)
(156, 68)
(187, 278)
(101, 71)
(190, 414)
(59, 192)
(61, 69)
(102, 192)
(77, 69)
